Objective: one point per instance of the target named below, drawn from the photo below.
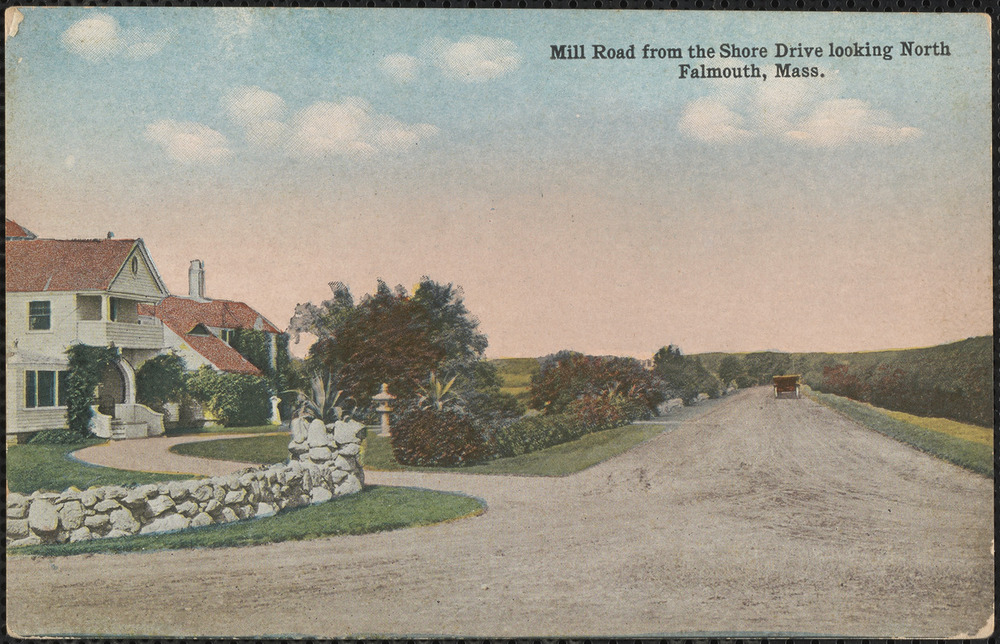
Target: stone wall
(327, 467)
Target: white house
(61, 292)
(106, 292)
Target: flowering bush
(437, 437)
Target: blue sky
(605, 206)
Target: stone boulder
(317, 434)
(347, 431)
(71, 515)
(122, 521)
(43, 517)
(166, 524)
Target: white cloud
(400, 67)
(791, 110)
(351, 128)
(99, 37)
(845, 121)
(710, 120)
(189, 143)
(259, 113)
(475, 58)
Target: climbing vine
(86, 363)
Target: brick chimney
(196, 280)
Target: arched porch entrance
(116, 387)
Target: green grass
(376, 509)
(200, 431)
(265, 449)
(49, 467)
(974, 456)
(559, 460)
(516, 375)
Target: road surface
(759, 516)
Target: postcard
(368, 323)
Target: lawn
(50, 467)
(376, 509)
(265, 449)
(929, 435)
(201, 431)
(558, 460)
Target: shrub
(567, 376)
(160, 380)
(437, 437)
(588, 414)
(536, 432)
(55, 437)
(235, 399)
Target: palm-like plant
(322, 400)
(438, 394)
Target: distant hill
(952, 380)
(516, 375)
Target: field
(516, 374)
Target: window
(228, 335)
(135, 265)
(114, 309)
(45, 388)
(39, 316)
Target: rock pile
(318, 473)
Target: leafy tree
(729, 369)
(160, 380)
(391, 337)
(684, 376)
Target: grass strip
(266, 449)
(974, 456)
(558, 460)
(211, 429)
(50, 467)
(376, 509)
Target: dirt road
(760, 516)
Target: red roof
(185, 314)
(64, 264)
(220, 354)
(17, 231)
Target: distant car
(786, 385)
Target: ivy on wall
(86, 364)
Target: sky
(604, 206)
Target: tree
(160, 380)
(729, 370)
(684, 376)
(391, 337)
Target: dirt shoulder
(760, 516)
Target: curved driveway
(759, 516)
